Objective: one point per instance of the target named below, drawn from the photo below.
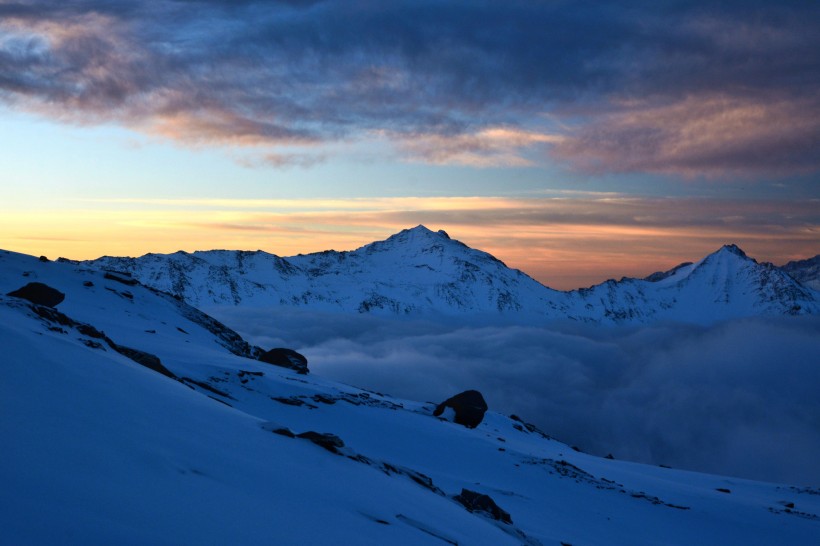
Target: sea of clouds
(739, 398)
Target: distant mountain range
(419, 272)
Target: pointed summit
(732, 249)
(419, 234)
(422, 230)
(727, 258)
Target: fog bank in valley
(738, 398)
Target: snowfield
(100, 448)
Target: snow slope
(806, 272)
(419, 272)
(100, 449)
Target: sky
(577, 141)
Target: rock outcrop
(479, 502)
(39, 294)
(469, 407)
(286, 358)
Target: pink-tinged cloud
(489, 147)
(707, 135)
(686, 88)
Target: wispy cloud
(687, 88)
(490, 147)
(716, 136)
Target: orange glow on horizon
(562, 255)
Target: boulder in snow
(39, 293)
(469, 407)
(287, 358)
(329, 441)
(479, 502)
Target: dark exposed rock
(43, 259)
(469, 407)
(203, 385)
(292, 401)
(51, 315)
(124, 278)
(88, 284)
(478, 502)
(330, 442)
(286, 358)
(276, 428)
(127, 295)
(528, 427)
(421, 479)
(90, 331)
(39, 293)
(142, 358)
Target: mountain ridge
(419, 272)
(805, 271)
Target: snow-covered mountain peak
(732, 249)
(727, 254)
(420, 231)
(420, 271)
(417, 239)
(725, 262)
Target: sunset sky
(577, 141)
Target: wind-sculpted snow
(420, 273)
(99, 449)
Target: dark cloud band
(629, 87)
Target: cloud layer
(738, 399)
(688, 88)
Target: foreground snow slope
(419, 272)
(100, 449)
